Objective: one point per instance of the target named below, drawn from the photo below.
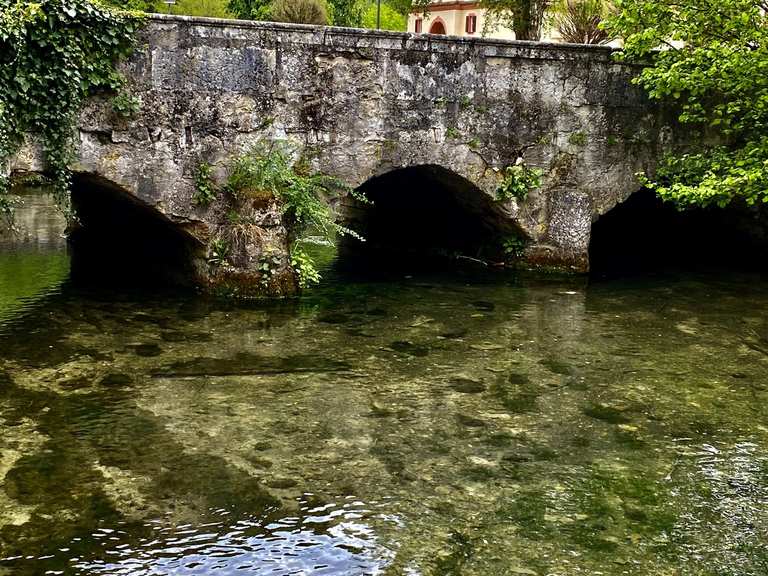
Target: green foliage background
(54, 53)
(351, 13)
(713, 65)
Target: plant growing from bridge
(714, 68)
(205, 189)
(267, 171)
(54, 54)
(513, 246)
(517, 181)
(218, 251)
(126, 105)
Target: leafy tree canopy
(525, 17)
(713, 64)
(391, 19)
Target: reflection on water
(327, 539)
(33, 260)
(418, 426)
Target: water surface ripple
(419, 426)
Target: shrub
(518, 181)
(578, 21)
(299, 11)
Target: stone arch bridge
(426, 124)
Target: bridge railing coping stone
(334, 36)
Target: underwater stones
(469, 421)
(520, 402)
(556, 366)
(518, 394)
(606, 413)
(454, 334)
(517, 379)
(379, 411)
(282, 483)
(76, 383)
(409, 348)
(466, 385)
(486, 347)
(260, 462)
(177, 336)
(116, 380)
(127, 492)
(147, 350)
(250, 364)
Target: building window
(471, 25)
(417, 26)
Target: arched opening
(645, 234)
(120, 240)
(426, 217)
(437, 27)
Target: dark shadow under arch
(425, 217)
(120, 240)
(646, 234)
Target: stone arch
(622, 241)
(429, 214)
(119, 238)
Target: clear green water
(416, 426)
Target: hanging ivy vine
(53, 54)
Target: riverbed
(455, 423)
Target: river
(422, 424)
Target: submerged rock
(250, 364)
(454, 334)
(467, 385)
(282, 483)
(379, 411)
(75, 383)
(116, 379)
(518, 379)
(606, 413)
(405, 347)
(469, 421)
(556, 366)
(147, 350)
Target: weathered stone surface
(363, 103)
